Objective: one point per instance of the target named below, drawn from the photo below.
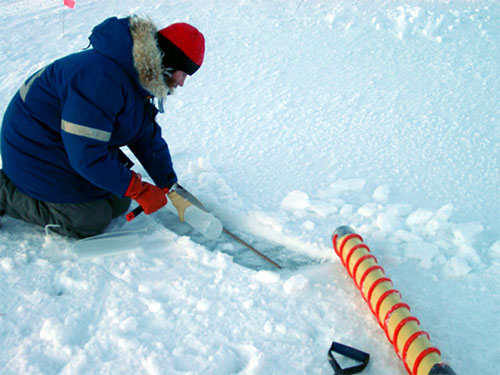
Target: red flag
(69, 3)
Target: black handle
(349, 352)
(134, 213)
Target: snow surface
(305, 116)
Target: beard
(171, 90)
(169, 82)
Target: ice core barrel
(411, 343)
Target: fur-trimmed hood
(132, 43)
(147, 56)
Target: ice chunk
(52, 331)
(154, 306)
(398, 209)
(432, 227)
(386, 223)
(346, 209)
(144, 289)
(495, 250)
(296, 284)
(200, 165)
(367, 229)
(465, 232)
(281, 328)
(296, 200)
(308, 225)
(381, 194)
(323, 209)
(419, 217)
(444, 213)
(203, 305)
(407, 236)
(456, 267)
(422, 251)
(267, 277)
(128, 325)
(368, 210)
(7, 264)
(259, 219)
(268, 327)
(468, 253)
(342, 186)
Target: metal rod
(250, 247)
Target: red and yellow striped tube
(411, 343)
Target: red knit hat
(183, 47)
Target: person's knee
(6, 189)
(82, 220)
(82, 227)
(119, 205)
(2, 193)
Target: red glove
(150, 197)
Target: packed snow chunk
(152, 365)
(366, 229)
(386, 222)
(419, 217)
(368, 210)
(398, 210)
(406, 236)
(128, 325)
(281, 328)
(432, 227)
(323, 209)
(444, 213)
(144, 289)
(346, 209)
(381, 194)
(200, 165)
(52, 331)
(422, 251)
(343, 186)
(203, 305)
(154, 306)
(268, 327)
(495, 250)
(258, 220)
(218, 262)
(468, 253)
(296, 284)
(329, 18)
(466, 232)
(296, 200)
(248, 304)
(308, 225)
(439, 220)
(267, 277)
(7, 264)
(456, 267)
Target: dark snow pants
(77, 220)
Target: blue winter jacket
(62, 131)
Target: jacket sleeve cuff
(171, 179)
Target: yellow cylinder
(411, 343)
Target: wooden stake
(251, 248)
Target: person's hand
(150, 197)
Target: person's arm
(152, 152)
(89, 107)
